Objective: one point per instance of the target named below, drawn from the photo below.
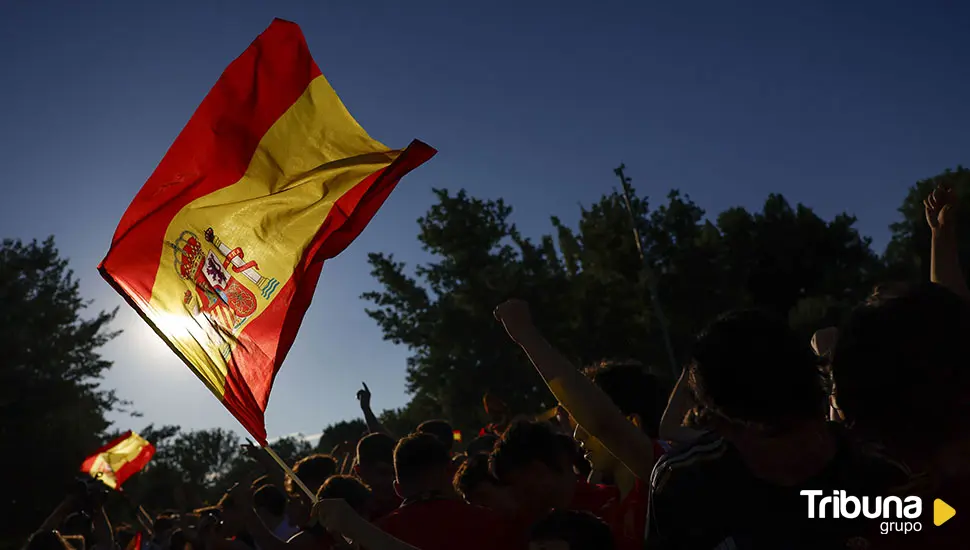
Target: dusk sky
(839, 105)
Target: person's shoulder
(704, 455)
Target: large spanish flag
(119, 459)
(221, 250)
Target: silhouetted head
(440, 429)
(536, 463)
(639, 395)
(901, 374)
(350, 489)
(570, 530)
(270, 503)
(375, 462)
(751, 373)
(313, 471)
(422, 465)
(476, 484)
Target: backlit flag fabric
(119, 459)
(221, 250)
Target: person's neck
(790, 458)
(424, 490)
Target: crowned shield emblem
(223, 288)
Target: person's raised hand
(363, 395)
(334, 514)
(516, 318)
(940, 209)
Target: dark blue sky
(835, 105)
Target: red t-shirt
(592, 498)
(628, 517)
(446, 524)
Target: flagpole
(651, 276)
(291, 473)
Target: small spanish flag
(119, 459)
(221, 250)
(456, 435)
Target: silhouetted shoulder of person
(703, 496)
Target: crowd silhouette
(762, 442)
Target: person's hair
(750, 368)
(482, 444)
(633, 390)
(270, 498)
(47, 540)
(348, 488)
(440, 429)
(900, 366)
(418, 454)
(579, 530)
(472, 474)
(527, 441)
(375, 448)
(313, 471)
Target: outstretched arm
(373, 424)
(941, 214)
(587, 404)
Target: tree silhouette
(52, 408)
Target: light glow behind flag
(221, 250)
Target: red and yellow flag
(119, 459)
(221, 250)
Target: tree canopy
(51, 403)
(589, 292)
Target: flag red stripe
(213, 150)
(89, 461)
(252, 369)
(134, 466)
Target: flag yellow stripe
(309, 158)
